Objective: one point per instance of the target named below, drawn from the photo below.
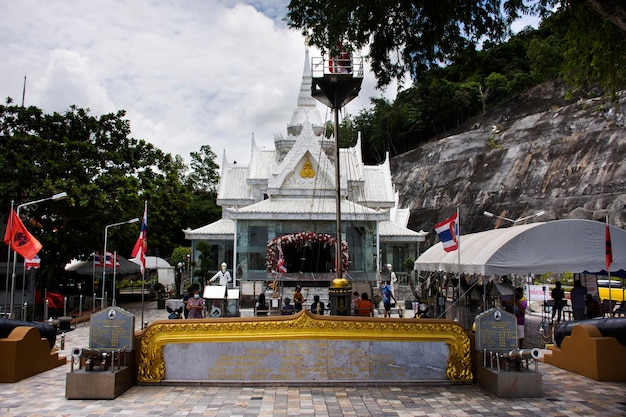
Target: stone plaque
(112, 329)
(496, 330)
(306, 361)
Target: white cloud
(188, 73)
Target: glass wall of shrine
(305, 248)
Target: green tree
(204, 175)
(416, 36)
(107, 174)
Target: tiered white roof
(296, 180)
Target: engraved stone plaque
(496, 330)
(112, 329)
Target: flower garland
(326, 239)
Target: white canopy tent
(558, 246)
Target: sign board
(496, 330)
(214, 292)
(112, 329)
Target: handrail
(321, 66)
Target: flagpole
(6, 285)
(114, 260)
(458, 238)
(606, 257)
(23, 284)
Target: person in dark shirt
(317, 307)
(557, 295)
(594, 308)
(287, 308)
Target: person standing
(577, 295)
(355, 301)
(557, 295)
(317, 307)
(298, 299)
(520, 304)
(223, 275)
(387, 297)
(393, 281)
(186, 298)
(195, 305)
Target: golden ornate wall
(304, 347)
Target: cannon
(608, 327)
(89, 354)
(45, 330)
(522, 354)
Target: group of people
(193, 303)
(584, 305)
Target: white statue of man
(223, 275)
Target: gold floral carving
(307, 170)
(302, 326)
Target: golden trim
(307, 170)
(304, 325)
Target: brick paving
(565, 394)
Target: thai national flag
(448, 231)
(97, 259)
(141, 246)
(109, 260)
(282, 268)
(34, 263)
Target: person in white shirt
(223, 276)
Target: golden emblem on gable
(307, 170)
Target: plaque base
(510, 384)
(94, 385)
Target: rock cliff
(539, 151)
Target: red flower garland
(326, 239)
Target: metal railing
(321, 66)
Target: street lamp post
(489, 214)
(54, 197)
(104, 254)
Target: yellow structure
(587, 352)
(303, 337)
(24, 354)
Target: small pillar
(340, 293)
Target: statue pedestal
(510, 384)
(97, 385)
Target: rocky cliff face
(539, 151)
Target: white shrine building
(285, 201)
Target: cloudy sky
(187, 72)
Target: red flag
(54, 300)
(609, 249)
(20, 239)
(141, 246)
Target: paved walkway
(565, 394)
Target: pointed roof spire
(306, 111)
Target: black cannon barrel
(85, 353)
(608, 327)
(45, 330)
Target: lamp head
(487, 213)
(59, 196)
